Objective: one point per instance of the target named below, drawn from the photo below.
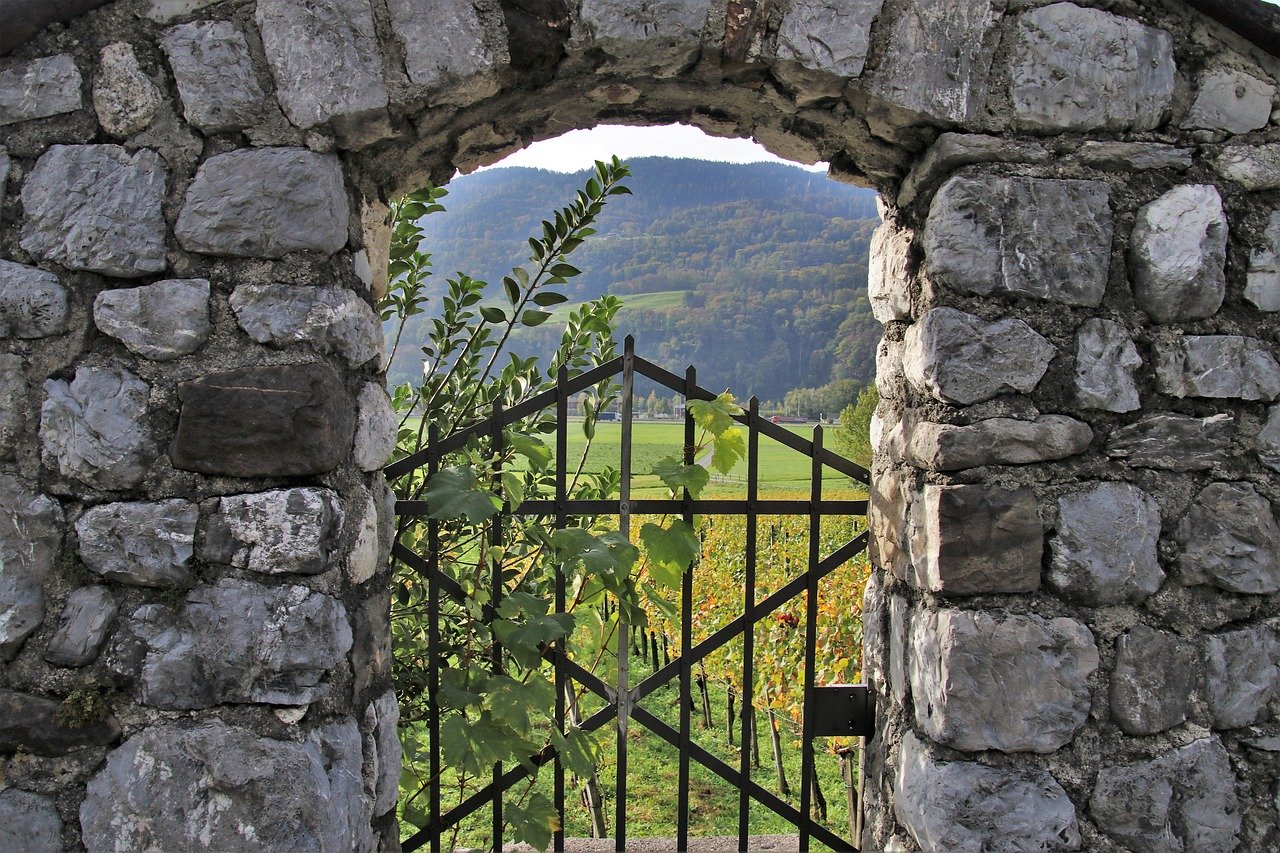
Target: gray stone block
(292, 420)
(386, 753)
(665, 33)
(363, 559)
(1231, 101)
(33, 302)
(1134, 156)
(13, 402)
(97, 208)
(959, 358)
(997, 441)
(1269, 440)
(127, 648)
(1106, 361)
(1085, 69)
(1231, 540)
(161, 321)
(1183, 800)
(265, 203)
(1153, 681)
(1242, 675)
(37, 725)
(1104, 551)
(888, 273)
(29, 822)
(953, 150)
(124, 97)
(164, 11)
(994, 681)
(276, 532)
(328, 319)
(237, 642)
(887, 523)
(963, 805)
(1217, 366)
(214, 71)
(447, 41)
(4, 171)
(1178, 255)
(1254, 167)
(1046, 239)
(1174, 442)
(969, 540)
(376, 425)
(1262, 287)
(155, 792)
(936, 64)
(324, 57)
(39, 88)
(142, 544)
(95, 429)
(899, 626)
(30, 538)
(832, 36)
(87, 619)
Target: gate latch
(844, 710)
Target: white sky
(578, 149)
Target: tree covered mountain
(754, 273)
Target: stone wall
(1074, 625)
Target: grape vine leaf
(671, 551)
(715, 416)
(609, 554)
(678, 476)
(727, 448)
(456, 493)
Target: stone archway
(1075, 539)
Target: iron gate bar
(495, 600)
(622, 702)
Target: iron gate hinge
(844, 710)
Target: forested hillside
(756, 273)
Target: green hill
(755, 273)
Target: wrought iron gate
(829, 710)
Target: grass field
(661, 300)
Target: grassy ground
(656, 301)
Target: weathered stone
(874, 638)
(1254, 167)
(124, 98)
(1174, 442)
(362, 561)
(1105, 549)
(889, 273)
(291, 420)
(1230, 540)
(13, 394)
(4, 171)
(969, 540)
(1178, 255)
(663, 36)
(953, 150)
(33, 302)
(127, 649)
(276, 532)
(966, 806)
(143, 544)
(219, 787)
(1153, 681)
(1269, 440)
(1106, 361)
(37, 725)
(371, 650)
(1038, 668)
(959, 358)
(1232, 101)
(1085, 69)
(376, 425)
(1217, 366)
(324, 57)
(214, 72)
(386, 752)
(446, 42)
(998, 441)
(1134, 156)
(899, 625)
(39, 88)
(237, 641)
(161, 321)
(1046, 239)
(1184, 800)
(29, 822)
(30, 538)
(96, 208)
(329, 319)
(1263, 285)
(87, 619)
(828, 36)
(1242, 670)
(887, 523)
(937, 60)
(94, 429)
(265, 203)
